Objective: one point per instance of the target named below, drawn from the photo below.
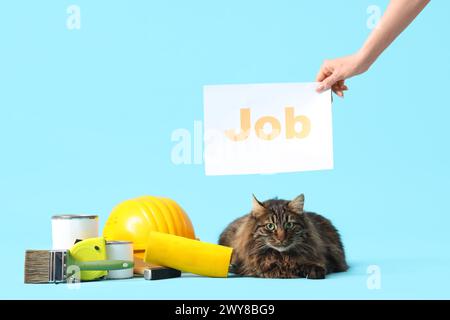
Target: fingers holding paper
(333, 73)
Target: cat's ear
(257, 207)
(297, 204)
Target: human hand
(333, 73)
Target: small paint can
(67, 229)
(119, 250)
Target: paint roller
(188, 255)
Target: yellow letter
(291, 120)
(245, 127)
(259, 128)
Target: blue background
(86, 118)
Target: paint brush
(54, 266)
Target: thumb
(328, 82)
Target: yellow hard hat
(132, 220)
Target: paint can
(68, 228)
(119, 250)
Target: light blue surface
(86, 118)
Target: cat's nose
(281, 235)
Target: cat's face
(279, 224)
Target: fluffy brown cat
(277, 239)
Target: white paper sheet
(289, 128)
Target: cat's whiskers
(259, 246)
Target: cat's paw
(312, 271)
(269, 274)
(278, 274)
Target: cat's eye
(270, 226)
(288, 225)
